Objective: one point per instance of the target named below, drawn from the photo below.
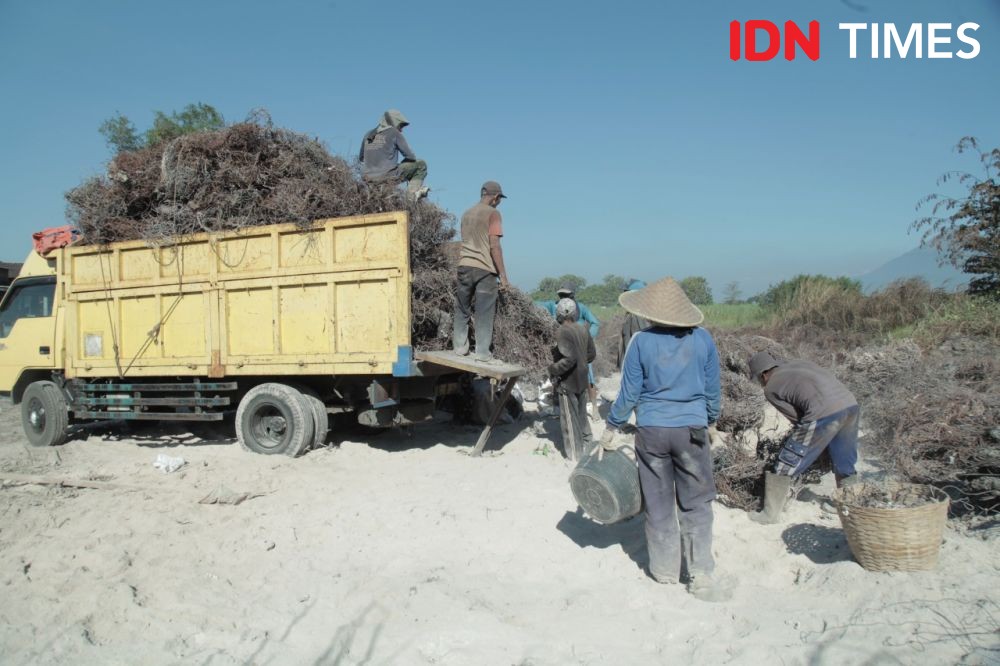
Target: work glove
(607, 443)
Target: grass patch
(721, 315)
(960, 315)
(717, 315)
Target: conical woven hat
(664, 303)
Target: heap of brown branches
(930, 416)
(742, 404)
(252, 174)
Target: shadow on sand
(822, 545)
(628, 534)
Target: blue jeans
(837, 432)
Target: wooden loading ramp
(497, 371)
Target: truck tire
(321, 419)
(274, 418)
(44, 415)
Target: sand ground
(399, 548)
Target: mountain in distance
(921, 262)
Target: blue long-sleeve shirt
(670, 377)
(583, 315)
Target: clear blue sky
(627, 140)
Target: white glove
(608, 442)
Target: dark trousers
(480, 287)
(837, 433)
(675, 473)
(575, 416)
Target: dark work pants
(575, 417)
(837, 433)
(480, 287)
(675, 474)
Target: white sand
(402, 550)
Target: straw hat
(664, 303)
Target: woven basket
(893, 539)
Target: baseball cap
(492, 187)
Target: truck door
(27, 328)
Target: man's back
(381, 150)
(573, 341)
(478, 224)
(671, 377)
(805, 392)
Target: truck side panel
(331, 299)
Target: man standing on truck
(824, 413)
(479, 267)
(380, 150)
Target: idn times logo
(759, 40)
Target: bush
(839, 305)
(959, 315)
(781, 296)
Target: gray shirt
(380, 152)
(574, 350)
(805, 392)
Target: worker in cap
(380, 151)
(573, 352)
(671, 380)
(583, 316)
(632, 324)
(824, 415)
(481, 272)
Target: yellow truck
(287, 324)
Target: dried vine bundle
(251, 174)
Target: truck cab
(28, 327)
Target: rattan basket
(893, 539)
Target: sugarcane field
(518, 337)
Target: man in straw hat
(574, 351)
(825, 417)
(480, 266)
(670, 377)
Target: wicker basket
(893, 539)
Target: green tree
(120, 133)
(697, 290)
(546, 290)
(966, 229)
(732, 293)
(605, 293)
(192, 118)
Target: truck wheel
(274, 418)
(321, 419)
(44, 414)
